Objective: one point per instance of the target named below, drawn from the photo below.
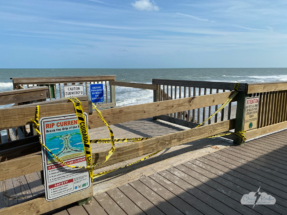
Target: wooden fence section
(20, 96)
(176, 89)
(272, 114)
(56, 86)
(19, 162)
(172, 98)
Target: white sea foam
(6, 86)
(131, 96)
(269, 78)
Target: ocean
(131, 96)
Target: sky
(143, 33)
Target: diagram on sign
(71, 145)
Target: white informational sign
(73, 90)
(251, 113)
(62, 136)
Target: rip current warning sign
(251, 113)
(62, 136)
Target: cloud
(145, 5)
(97, 1)
(192, 17)
(251, 29)
(95, 25)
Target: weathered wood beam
(41, 206)
(21, 115)
(29, 164)
(54, 101)
(134, 85)
(68, 79)
(266, 87)
(265, 130)
(201, 84)
(142, 111)
(18, 96)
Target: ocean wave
(5, 86)
(276, 77)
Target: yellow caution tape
(84, 132)
(233, 94)
(122, 140)
(84, 135)
(106, 140)
(241, 135)
(112, 150)
(238, 133)
(86, 141)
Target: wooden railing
(56, 86)
(272, 113)
(177, 89)
(29, 158)
(20, 97)
(28, 162)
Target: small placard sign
(73, 90)
(97, 93)
(251, 113)
(61, 134)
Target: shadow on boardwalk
(215, 183)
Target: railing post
(113, 93)
(156, 95)
(240, 113)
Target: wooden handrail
(52, 80)
(134, 85)
(23, 95)
(21, 115)
(266, 87)
(201, 84)
(142, 111)
(14, 117)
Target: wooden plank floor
(24, 188)
(212, 184)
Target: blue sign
(97, 93)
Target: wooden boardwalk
(211, 184)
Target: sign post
(62, 136)
(73, 90)
(97, 93)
